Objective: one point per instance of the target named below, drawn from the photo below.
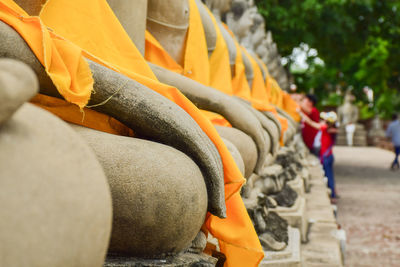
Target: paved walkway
(369, 207)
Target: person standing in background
(393, 132)
(308, 132)
(326, 139)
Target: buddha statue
(348, 117)
(162, 217)
(174, 194)
(56, 202)
(205, 97)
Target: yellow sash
(102, 29)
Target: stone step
(323, 248)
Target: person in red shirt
(323, 142)
(308, 132)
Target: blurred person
(393, 132)
(324, 141)
(308, 132)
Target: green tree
(358, 40)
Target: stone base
(181, 260)
(289, 257)
(296, 216)
(324, 248)
(297, 185)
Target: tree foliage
(358, 40)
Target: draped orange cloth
(220, 67)
(291, 107)
(196, 65)
(62, 60)
(278, 97)
(240, 85)
(260, 97)
(99, 32)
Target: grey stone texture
(246, 146)
(235, 154)
(159, 195)
(210, 99)
(132, 18)
(182, 260)
(18, 84)
(55, 200)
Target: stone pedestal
(296, 216)
(181, 260)
(359, 138)
(289, 257)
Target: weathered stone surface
(18, 84)
(159, 195)
(31, 7)
(271, 180)
(323, 247)
(296, 216)
(235, 154)
(244, 144)
(289, 257)
(129, 16)
(210, 99)
(55, 200)
(286, 197)
(148, 113)
(270, 128)
(181, 260)
(199, 243)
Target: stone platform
(359, 138)
(181, 260)
(289, 257)
(324, 246)
(296, 216)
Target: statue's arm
(208, 98)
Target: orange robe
(99, 32)
(220, 68)
(291, 107)
(196, 65)
(240, 85)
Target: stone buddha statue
(158, 209)
(198, 93)
(348, 117)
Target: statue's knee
(244, 144)
(159, 195)
(56, 203)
